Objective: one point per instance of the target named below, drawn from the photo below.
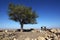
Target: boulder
(34, 39)
(53, 30)
(55, 38)
(40, 38)
(6, 31)
(58, 30)
(27, 38)
(15, 39)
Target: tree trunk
(21, 27)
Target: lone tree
(22, 14)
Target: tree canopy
(22, 14)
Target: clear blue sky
(47, 10)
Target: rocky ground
(53, 34)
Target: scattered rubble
(53, 34)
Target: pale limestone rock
(54, 30)
(55, 38)
(58, 30)
(49, 38)
(6, 31)
(33, 39)
(15, 39)
(27, 38)
(41, 31)
(58, 36)
(41, 38)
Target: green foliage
(22, 14)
